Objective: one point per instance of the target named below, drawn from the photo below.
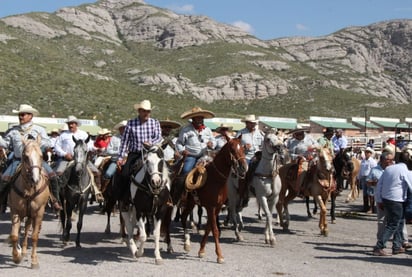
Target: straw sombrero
(171, 123)
(197, 111)
(297, 130)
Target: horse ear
(87, 140)
(74, 139)
(30, 136)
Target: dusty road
(347, 251)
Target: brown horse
(27, 199)
(213, 194)
(347, 168)
(319, 183)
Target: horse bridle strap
(29, 197)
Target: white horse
(266, 181)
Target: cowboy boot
(54, 196)
(97, 193)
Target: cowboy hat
(172, 124)
(72, 118)
(104, 131)
(197, 111)
(122, 123)
(144, 105)
(370, 150)
(55, 130)
(224, 126)
(250, 118)
(24, 108)
(64, 127)
(298, 130)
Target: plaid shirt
(136, 133)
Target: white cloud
(301, 27)
(182, 9)
(243, 26)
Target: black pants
(131, 160)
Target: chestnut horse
(27, 199)
(319, 183)
(213, 194)
(347, 168)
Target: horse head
(272, 144)
(32, 159)
(237, 156)
(80, 154)
(326, 159)
(156, 168)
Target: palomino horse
(319, 183)
(77, 190)
(213, 194)
(27, 199)
(266, 181)
(347, 168)
(151, 201)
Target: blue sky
(265, 19)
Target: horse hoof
(35, 266)
(17, 260)
(187, 247)
(240, 238)
(220, 260)
(202, 255)
(170, 250)
(333, 221)
(158, 261)
(272, 242)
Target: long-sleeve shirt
(366, 166)
(193, 141)
(298, 148)
(65, 143)
(136, 133)
(339, 143)
(13, 138)
(255, 139)
(394, 183)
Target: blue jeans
(111, 170)
(11, 169)
(189, 164)
(366, 190)
(394, 224)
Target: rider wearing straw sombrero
(195, 139)
(13, 140)
(169, 143)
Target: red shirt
(102, 142)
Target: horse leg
(129, 219)
(315, 208)
(211, 226)
(234, 207)
(27, 229)
(109, 206)
(333, 207)
(165, 229)
(82, 210)
(185, 213)
(14, 238)
(199, 216)
(68, 224)
(156, 233)
(141, 228)
(307, 200)
(36, 225)
(323, 225)
(269, 236)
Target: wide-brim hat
(144, 105)
(250, 118)
(195, 112)
(298, 130)
(24, 108)
(72, 118)
(369, 149)
(172, 124)
(55, 130)
(224, 126)
(104, 131)
(122, 123)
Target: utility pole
(366, 114)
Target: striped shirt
(136, 133)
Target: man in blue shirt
(339, 141)
(391, 193)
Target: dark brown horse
(347, 168)
(27, 199)
(213, 194)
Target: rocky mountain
(126, 48)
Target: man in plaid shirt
(138, 131)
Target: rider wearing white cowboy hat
(13, 141)
(195, 139)
(223, 129)
(64, 149)
(252, 137)
(140, 130)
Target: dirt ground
(347, 251)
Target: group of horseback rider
(195, 140)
